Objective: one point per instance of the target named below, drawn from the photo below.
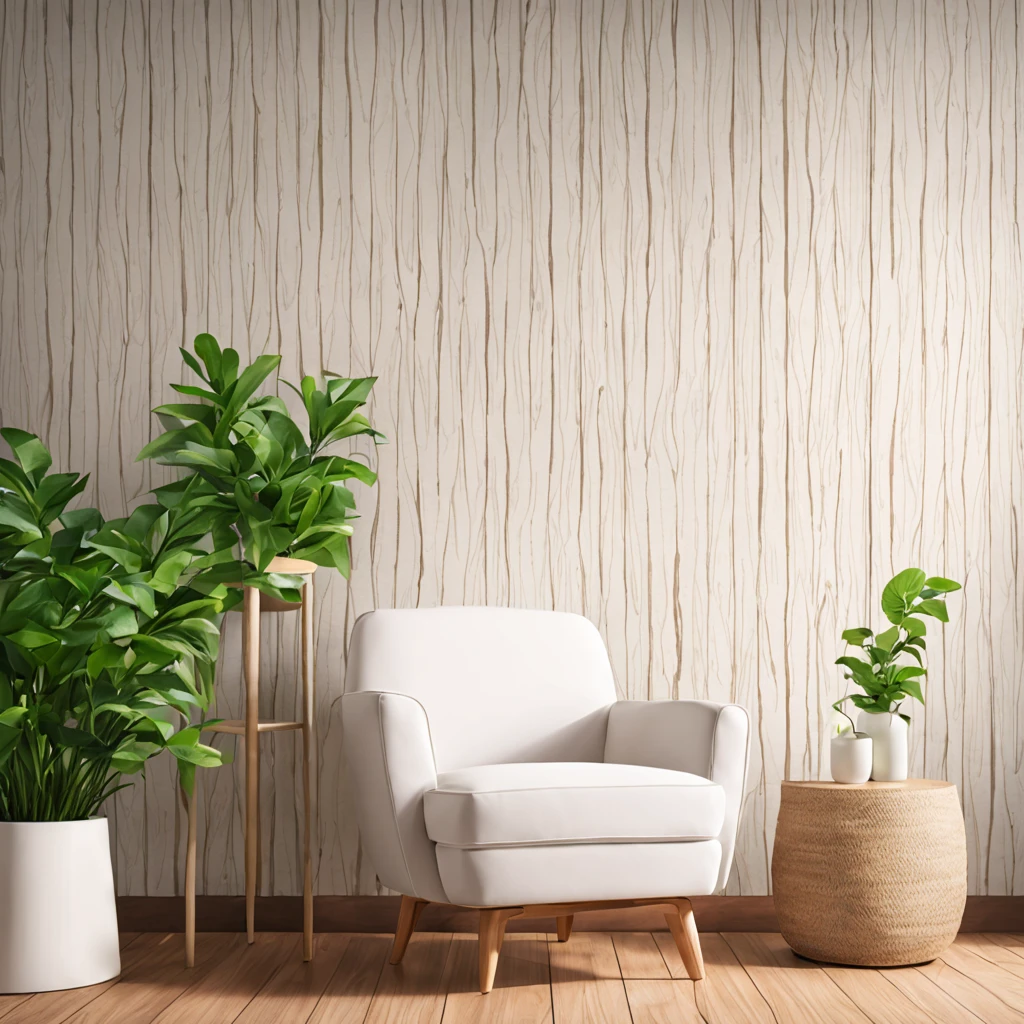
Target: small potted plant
(109, 634)
(889, 667)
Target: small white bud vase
(851, 758)
(889, 744)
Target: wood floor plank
(881, 1001)
(586, 985)
(796, 990)
(970, 994)
(522, 985)
(413, 992)
(8, 1003)
(347, 996)
(639, 956)
(153, 983)
(652, 1001)
(595, 978)
(991, 949)
(939, 1004)
(55, 1007)
(225, 991)
(726, 994)
(296, 987)
(1000, 981)
(1011, 943)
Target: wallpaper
(699, 319)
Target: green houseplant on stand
(287, 507)
(889, 667)
(109, 633)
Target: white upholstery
(389, 753)
(493, 766)
(503, 876)
(711, 740)
(575, 802)
(498, 684)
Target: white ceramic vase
(58, 916)
(851, 758)
(888, 733)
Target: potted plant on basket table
(888, 667)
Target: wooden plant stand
(250, 728)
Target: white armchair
(494, 769)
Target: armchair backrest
(498, 685)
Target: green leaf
(187, 778)
(108, 656)
(198, 754)
(915, 627)
(12, 716)
(856, 636)
(209, 351)
(934, 607)
(30, 452)
(941, 584)
(168, 572)
(913, 688)
(242, 390)
(886, 639)
(900, 592)
(193, 365)
(189, 389)
(908, 672)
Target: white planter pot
(851, 758)
(58, 917)
(889, 745)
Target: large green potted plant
(888, 667)
(108, 643)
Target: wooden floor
(594, 977)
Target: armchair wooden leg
(564, 927)
(492, 935)
(408, 915)
(684, 932)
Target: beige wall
(698, 319)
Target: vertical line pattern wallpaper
(699, 319)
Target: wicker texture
(872, 875)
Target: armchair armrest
(391, 760)
(696, 736)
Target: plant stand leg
(251, 661)
(308, 765)
(190, 873)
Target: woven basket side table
(872, 875)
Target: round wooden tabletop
(906, 784)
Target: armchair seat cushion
(547, 803)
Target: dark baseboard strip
(379, 913)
